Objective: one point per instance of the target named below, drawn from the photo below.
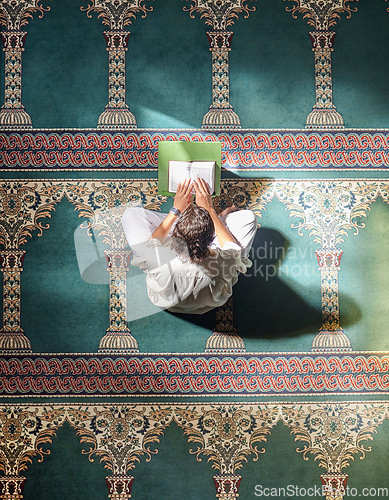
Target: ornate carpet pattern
(286, 385)
(227, 435)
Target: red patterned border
(243, 150)
(178, 375)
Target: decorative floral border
(228, 435)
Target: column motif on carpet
(119, 435)
(21, 208)
(227, 435)
(119, 486)
(26, 433)
(322, 15)
(103, 203)
(331, 335)
(116, 15)
(220, 16)
(118, 336)
(24, 204)
(15, 15)
(334, 434)
(328, 210)
(11, 487)
(12, 338)
(224, 338)
(104, 208)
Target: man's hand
(204, 199)
(183, 196)
(182, 199)
(203, 196)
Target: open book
(181, 170)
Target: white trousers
(139, 224)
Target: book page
(178, 172)
(205, 170)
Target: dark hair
(193, 232)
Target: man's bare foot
(228, 210)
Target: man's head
(193, 233)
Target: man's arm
(204, 199)
(181, 201)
